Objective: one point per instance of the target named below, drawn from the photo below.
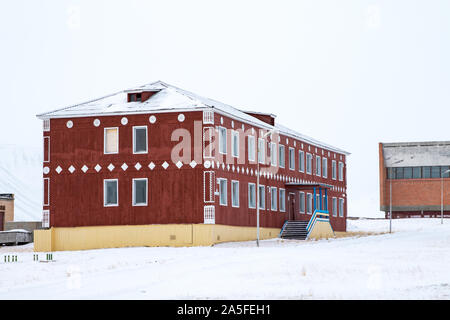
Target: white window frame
(309, 202)
(48, 149)
(263, 198)
(318, 166)
(251, 149)
(282, 201)
(249, 192)
(104, 192)
(261, 151)
(309, 160)
(134, 193)
(324, 167)
(341, 171)
(317, 201)
(333, 169)
(222, 143)
(334, 207)
(234, 182)
(302, 196)
(273, 191)
(46, 202)
(301, 161)
(341, 207)
(220, 192)
(281, 147)
(291, 163)
(273, 154)
(134, 139)
(104, 140)
(234, 133)
(46, 222)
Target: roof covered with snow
(168, 98)
(415, 154)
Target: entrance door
(2, 220)
(291, 206)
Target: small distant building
(416, 177)
(6, 209)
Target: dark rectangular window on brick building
(417, 172)
(435, 172)
(426, 172)
(398, 173)
(443, 169)
(407, 173)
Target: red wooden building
(160, 155)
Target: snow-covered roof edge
(223, 108)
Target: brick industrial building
(417, 174)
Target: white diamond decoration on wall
(98, 168)
(124, 167)
(165, 165)
(138, 166)
(111, 167)
(58, 169)
(84, 168)
(151, 166)
(71, 169)
(179, 164)
(193, 164)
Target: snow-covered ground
(411, 263)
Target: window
(308, 163)
(111, 193)
(46, 219)
(262, 197)
(223, 192)
(235, 144)
(399, 173)
(261, 150)
(407, 173)
(417, 173)
(426, 171)
(291, 158)
(282, 200)
(302, 202)
(111, 140)
(324, 203)
(46, 149)
(281, 156)
(222, 140)
(140, 192)
(341, 207)
(334, 207)
(46, 192)
(301, 161)
(273, 198)
(273, 153)
(445, 174)
(318, 165)
(251, 148)
(333, 169)
(235, 193)
(140, 141)
(325, 167)
(251, 195)
(435, 172)
(341, 171)
(318, 204)
(309, 198)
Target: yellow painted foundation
(320, 230)
(173, 235)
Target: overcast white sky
(349, 73)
